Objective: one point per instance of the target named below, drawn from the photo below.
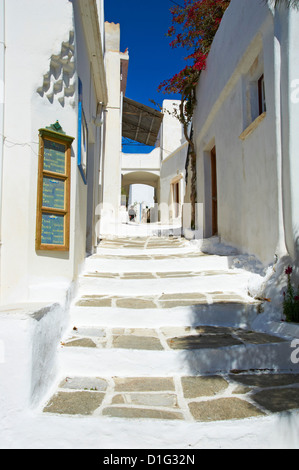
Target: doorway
(214, 192)
(176, 199)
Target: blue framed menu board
(53, 200)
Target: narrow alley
(149, 244)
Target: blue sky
(144, 25)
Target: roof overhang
(90, 20)
(141, 123)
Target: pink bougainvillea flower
(289, 270)
(194, 25)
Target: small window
(261, 95)
(53, 199)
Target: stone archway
(141, 178)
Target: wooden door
(214, 193)
(176, 198)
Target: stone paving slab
(144, 257)
(194, 387)
(137, 342)
(223, 409)
(146, 399)
(276, 400)
(203, 342)
(254, 337)
(157, 275)
(162, 300)
(167, 338)
(136, 303)
(190, 398)
(75, 403)
(80, 343)
(83, 383)
(140, 413)
(94, 302)
(266, 380)
(143, 243)
(144, 384)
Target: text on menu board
(52, 229)
(54, 156)
(53, 193)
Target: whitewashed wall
(172, 168)
(141, 161)
(248, 168)
(171, 133)
(287, 24)
(37, 93)
(112, 151)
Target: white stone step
(277, 431)
(119, 265)
(160, 248)
(123, 262)
(201, 284)
(87, 362)
(222, 314)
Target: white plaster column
(2, 95)
(292, 132)
(112, 157)
(279, 84)
(2, 101)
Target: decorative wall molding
(59, 81)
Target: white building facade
(116, 63)
(245, 131)
(53, 93)
(52, 73)
(174, 150)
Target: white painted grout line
(182, 403)
(109, 394)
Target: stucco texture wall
(172, 169)
(246, 158)
(289, 37)
(40, 88)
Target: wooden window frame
(48, 135)
(261, 95)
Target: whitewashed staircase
(138, 285)
(160, 333)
